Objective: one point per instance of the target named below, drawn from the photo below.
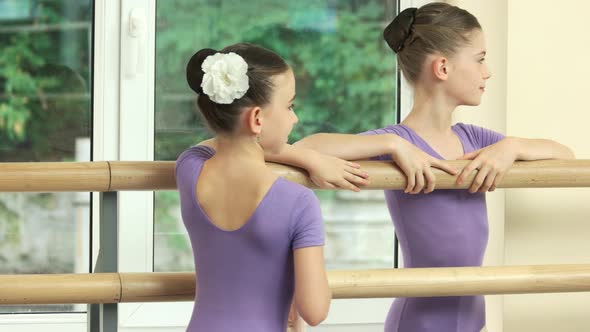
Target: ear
(440, 68)
(254, 120)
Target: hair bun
(194, 73)
(398, 31)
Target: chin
(475, 102)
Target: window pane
(45, 115)
(345, 83)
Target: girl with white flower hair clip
(441, 51)
(257, 238)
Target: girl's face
(468, 71)
(279, 114)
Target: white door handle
(136, 43)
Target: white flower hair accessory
(225, 78)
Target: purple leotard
(441, 229)
(245, 277)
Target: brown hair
(417, 32)
(263, 64)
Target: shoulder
(192, 157)
(294, 197)
(467, 128)
(480, 136)
(306, 221)
(396, 129)
(295, 192)
(197, 152)
(472, 129)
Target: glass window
(45, 115)
(346, 82)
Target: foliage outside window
(345, 77)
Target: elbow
(314, 321)
(315, 318)
(570, 153)
(564, 152)
(313, 313)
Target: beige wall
(547, 96)
(538, 53)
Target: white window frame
(105, 147)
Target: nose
(487, 73)
(295, 118)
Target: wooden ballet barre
(387, 283)
(159, 175)
(55, 176)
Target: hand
(417, 166)
(492, 162)
(294, 323)
(329, 172)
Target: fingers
(470, 155)
(443, 165)
(293, 316)
(489, 181)
(419, 183)
(325, 185)
(467, 170)
(337, 184)
(430, 181)
(357, 172)
(497, 181)
(347, 184)
(352, 178)
(418, 179)
(479, 180)
(486, 179)
(356, 180)
(316, 181)
(353, 164)
(411, 178)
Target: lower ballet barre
(386, 283)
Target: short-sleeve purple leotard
(245, 277)
(442, 229)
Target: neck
(239, 150)
(432, 111)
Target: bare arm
(493, 161)
(297, 156)
(289, 155)
(312, 292)
(415, 163)
(325, 171)
(351, 147)
(535, 149)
